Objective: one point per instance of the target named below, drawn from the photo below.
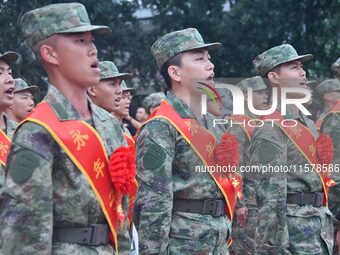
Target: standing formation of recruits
(73, 180)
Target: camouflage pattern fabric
(153, 100)
(287, 228)
(327, 86)
(166, 171)
(53, 19)
(179, 41)
(9, 57)
(44, 189)
(275, 56)
(109, 70)
(21, 85)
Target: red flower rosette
(122, 168)
(324, 149)
(227, 151)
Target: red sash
(304, 141)
(203, 143)
(132, 197)
(77, 139)
(244, 119)
(5, 143)
(336, 109)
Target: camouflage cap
(256, 83)
(109, 70)
(327, 86)
(21, 85)
(179, 41)
(275, 56)
(9, 57)
(336, 68)
(153, 100)
(52, 19)
(126, 89)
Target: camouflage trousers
(192, 233)
(243, 236)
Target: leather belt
(95, 234)
(213, 207)
(314, 199)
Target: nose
(31, 102)
(9, 79)
(93, 50)
(211, 66)
(303, 73)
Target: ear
(48, 54)
(174, 73)
(273, 78)
(92, 91)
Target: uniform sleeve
(153, 206)
(26, 212)
(269, 149)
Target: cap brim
(97, 30)
(123, 76)
(9, 57)
(303, 58)
(209, 46)
(30, 88)
(131, 90)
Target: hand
(241, 216)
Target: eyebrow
(5, 68)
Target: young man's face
(6, 86)
(292, 75)
(195, 64)
(141, 115)
(23, 104)
(108, 94)
(124, 107)
(260, 99)
(77, 59)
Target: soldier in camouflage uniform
(122, 113)
(152, 101)
(107, 95)
(6, 99)
(48, 205)
(292, 218)
(329, 93)
(23, 102)
(168, 182)
(336, 68)
(246, 210)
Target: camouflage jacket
(44, 189)
(166, 171)
(331, 126)
(10, 128)
(287, 228)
